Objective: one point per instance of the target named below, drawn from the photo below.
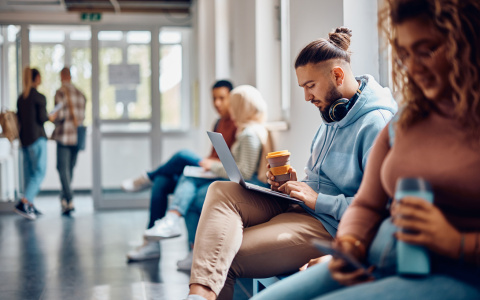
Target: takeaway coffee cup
(279, 164)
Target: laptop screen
(226, 157)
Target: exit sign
(91, 16)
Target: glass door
(123, 123)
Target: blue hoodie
(340, 150)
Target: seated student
(166, 176)
(436, 59)
(248, 111)
(243, 233)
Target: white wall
(267, 52)
(242, 45)
(361, 17)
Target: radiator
(7, 179)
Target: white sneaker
(136, 184)
(186, 263)
(149, 250)
(165, 228)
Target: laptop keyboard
(257, 187)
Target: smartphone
(56, 108)
(327, 248)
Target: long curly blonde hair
(458, 21)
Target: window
(54, 47)
(125, 71)
(9, 88)
(174, 82)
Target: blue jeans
(165, 179)
(448, 280)
(34, 167)
(192, 215)
(66, 161)
(186, 192)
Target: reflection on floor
(83, 257)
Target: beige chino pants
(242, 233)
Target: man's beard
(332, 96)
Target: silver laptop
(232, 170)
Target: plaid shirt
(65, 131)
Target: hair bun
(341, 37)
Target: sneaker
(149, 250)
(136, 184)
(36, 211)
(66, 207)
(25, 210)
(70, 206)
(165, 228)
(186, 263)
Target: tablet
(56, 108)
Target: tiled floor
(83, 257)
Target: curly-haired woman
(436, 50)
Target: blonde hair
(29, 76)
(458, 22)
(27, 82)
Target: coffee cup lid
(277, 154)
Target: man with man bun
(243, 233)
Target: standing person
(243, 233)
(68, 118)
(165, 178)
(32, 113)
(436, 60)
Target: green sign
(91, 17)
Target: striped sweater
(246, 151)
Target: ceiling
(114, 6)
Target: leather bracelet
(462, 248)
(476, 250)
(355, 242)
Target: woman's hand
(207, 163)
(426, 226)
(340, 271)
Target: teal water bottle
(413, 259)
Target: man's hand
(52, 117)
(271, 178)
(299, 190)
(207, 163)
